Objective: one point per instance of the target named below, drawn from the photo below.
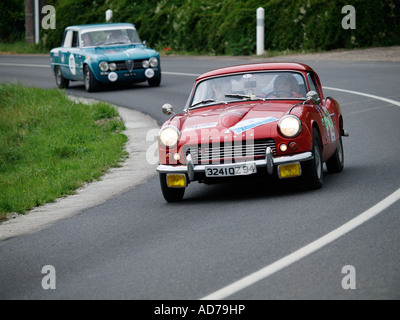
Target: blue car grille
(214, 153)
(129, 65)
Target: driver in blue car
(116, 36)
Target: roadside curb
(132, 171)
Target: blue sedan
(104, 53)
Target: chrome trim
(305, 156)
(190, 167)
(268, 162)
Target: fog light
(149, 73)
(289, 170)
(176, 180)
(112, 76)
(283, 147)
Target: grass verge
(50, 145)
(20, 47)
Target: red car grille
(219, 153)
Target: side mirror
(313, 97)
(167, 109)
(145, 43)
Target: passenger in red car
(219, 88)
(286, 86)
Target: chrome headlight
(169, 136)
(145, 64)
(153, 62)
(289, 126)
(103, 66)
(112, 66)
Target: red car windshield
(256, 85)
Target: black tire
(170, 194)
(61, 82)
(335, 163)
(91, 83)
(154, 82)
(315, 174)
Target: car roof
(263, 66)
(100, 25)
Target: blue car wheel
(155, 82)
(91, 83)
(61, 82)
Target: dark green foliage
(229, 26)
(12, 23)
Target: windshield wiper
(244, 96)
(207, 101)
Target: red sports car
(262, 119)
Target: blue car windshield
(106, 37)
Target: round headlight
(289, 126)
(153, 62)
(103, 66)
(112, 66)
(169, 136)
(145, 64)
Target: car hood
(232, 121)
(118, 53)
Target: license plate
(130, 74)
(232, 170)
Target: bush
(229, 26)
(12, 23)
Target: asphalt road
(270, 242)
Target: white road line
(396, 103)
(23, 65)
(305, 251)
(181, 74)
(48, 66)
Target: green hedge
(229, 26)
(12, 23)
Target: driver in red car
(285, 86)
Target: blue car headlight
(112, 66)
(153, 62)
(145, 64)
(103, 66)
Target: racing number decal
(327, 123)
(71, 62)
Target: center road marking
(305, 251)
(396, 103)
(24, 65)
